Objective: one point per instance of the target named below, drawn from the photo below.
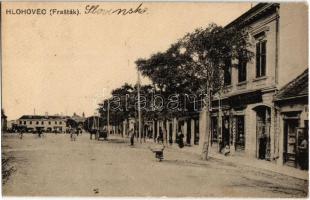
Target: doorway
(290, 141)
(240, 136)
(263, 121)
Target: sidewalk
(252, 162)
(237, 159)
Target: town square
(155, 99)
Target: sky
(63, 64)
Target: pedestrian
(21, 134)
(39, 133)
(180, 139)
(132, 137)
(91, 133)
(225, 137)
(73, 135)
(262, 146)
(303, 154)
(226, 150)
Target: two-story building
(48, 123)
(243, 116)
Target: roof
(294, 89)
(255, 12)
(78, 118)
(42, 117)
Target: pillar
(168, 130)
(250, 132)
(234, 132)
(153, 129)
(192, 132)
(281, 138)
(174, 130)
(185, 131)
(158, 125)
(124, 128)
(272, 134)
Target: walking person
(91, 133)
(180, 139)
(39, 133)
(132, 137)
(73, 135)
(21, 134)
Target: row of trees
(193, 66)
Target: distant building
(78, 118)
(48, 123)
(11, 124)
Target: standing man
(132, 137)
(21, 134)
(91, 133)
(303, 154)
(39, 132)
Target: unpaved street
(55, 166)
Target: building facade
(46, 123)
(291, 103)
(244, 115)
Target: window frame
(261, 58)
(242, 65)
(228, 68)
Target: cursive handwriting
(95, 9)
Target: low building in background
(47, 123)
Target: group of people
(39, 132)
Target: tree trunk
(206, 142)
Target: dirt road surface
(56, 166)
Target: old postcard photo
(154, 99)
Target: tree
(210, 49)
(168, 72)
(195, 65)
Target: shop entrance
(290, 142)
(225, 132)
(263, 132)
(240, 137)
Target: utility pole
(108, 118)
(139, 108)
(98, 121)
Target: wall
(293, 41)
